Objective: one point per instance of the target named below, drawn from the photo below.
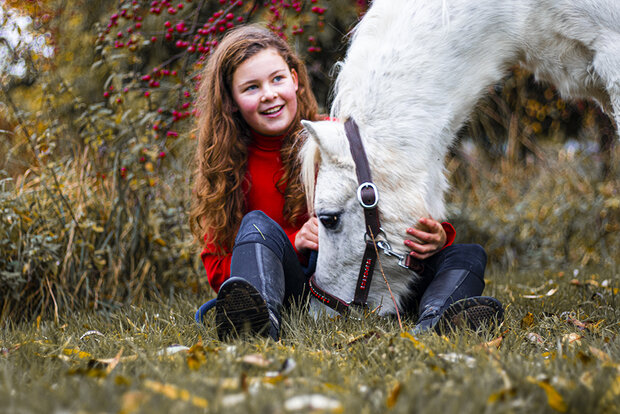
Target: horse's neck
(408, 75)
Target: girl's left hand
(430, 239)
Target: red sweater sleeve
(450, 233)
(217, 266)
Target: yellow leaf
(527, 321)
(417, 344)
(175, 393)
(149, 166)
(196, 356)
(554, 399)
(393, 395)
(501, 395)
(132, 400)
(601, 355)
(80, 354)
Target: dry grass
(557, 351)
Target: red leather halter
(368, 196)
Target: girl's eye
(278, 78)
(251, 88)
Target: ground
(557, 351)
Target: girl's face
(264, 89)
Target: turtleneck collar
(266, 142)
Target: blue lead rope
(203, 309)
(207, 306)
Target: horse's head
(329, 178)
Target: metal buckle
(387, 250)
(359, 194)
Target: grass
(558, 351)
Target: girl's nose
(269, 94)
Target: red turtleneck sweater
(264, 170)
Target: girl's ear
(295, 79)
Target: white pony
(412, 74)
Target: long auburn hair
(218, 202)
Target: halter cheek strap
(368, 197)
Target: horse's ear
(309, 126)
(326, 135)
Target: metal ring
(359, 194)
(368, 239)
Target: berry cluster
(187, 32)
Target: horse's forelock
(309, 156)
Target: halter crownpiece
(368, 197)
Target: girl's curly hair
(218, 202)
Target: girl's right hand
(307, 237)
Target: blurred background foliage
(96, 146)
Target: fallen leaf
(131, 401)
(256, 360)
(90, 333)
(535, 338)
(111, 363)
(233, 399)
(554, 399)
(417, 344)
(587, 379)
(196, 356)
(313, 402)
(600, 355)
(6, 351)
(365, 337)
(501, 395)
(287, 367)
(527, 321)
(551, 292)
(492, 344)
(454, 358)
(173, 350)
(175, 393)
(577, 323)
(393, 394)
(76, 352)
(572, 338)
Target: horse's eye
(330, 221)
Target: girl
(249, 206)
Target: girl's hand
(430, 239)
(307, 237)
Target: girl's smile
(265, 92)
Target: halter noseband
(368, 197)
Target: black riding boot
(250, 303)
(452, 300)
(265, 274)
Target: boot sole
(240, 310)
(473, 313)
